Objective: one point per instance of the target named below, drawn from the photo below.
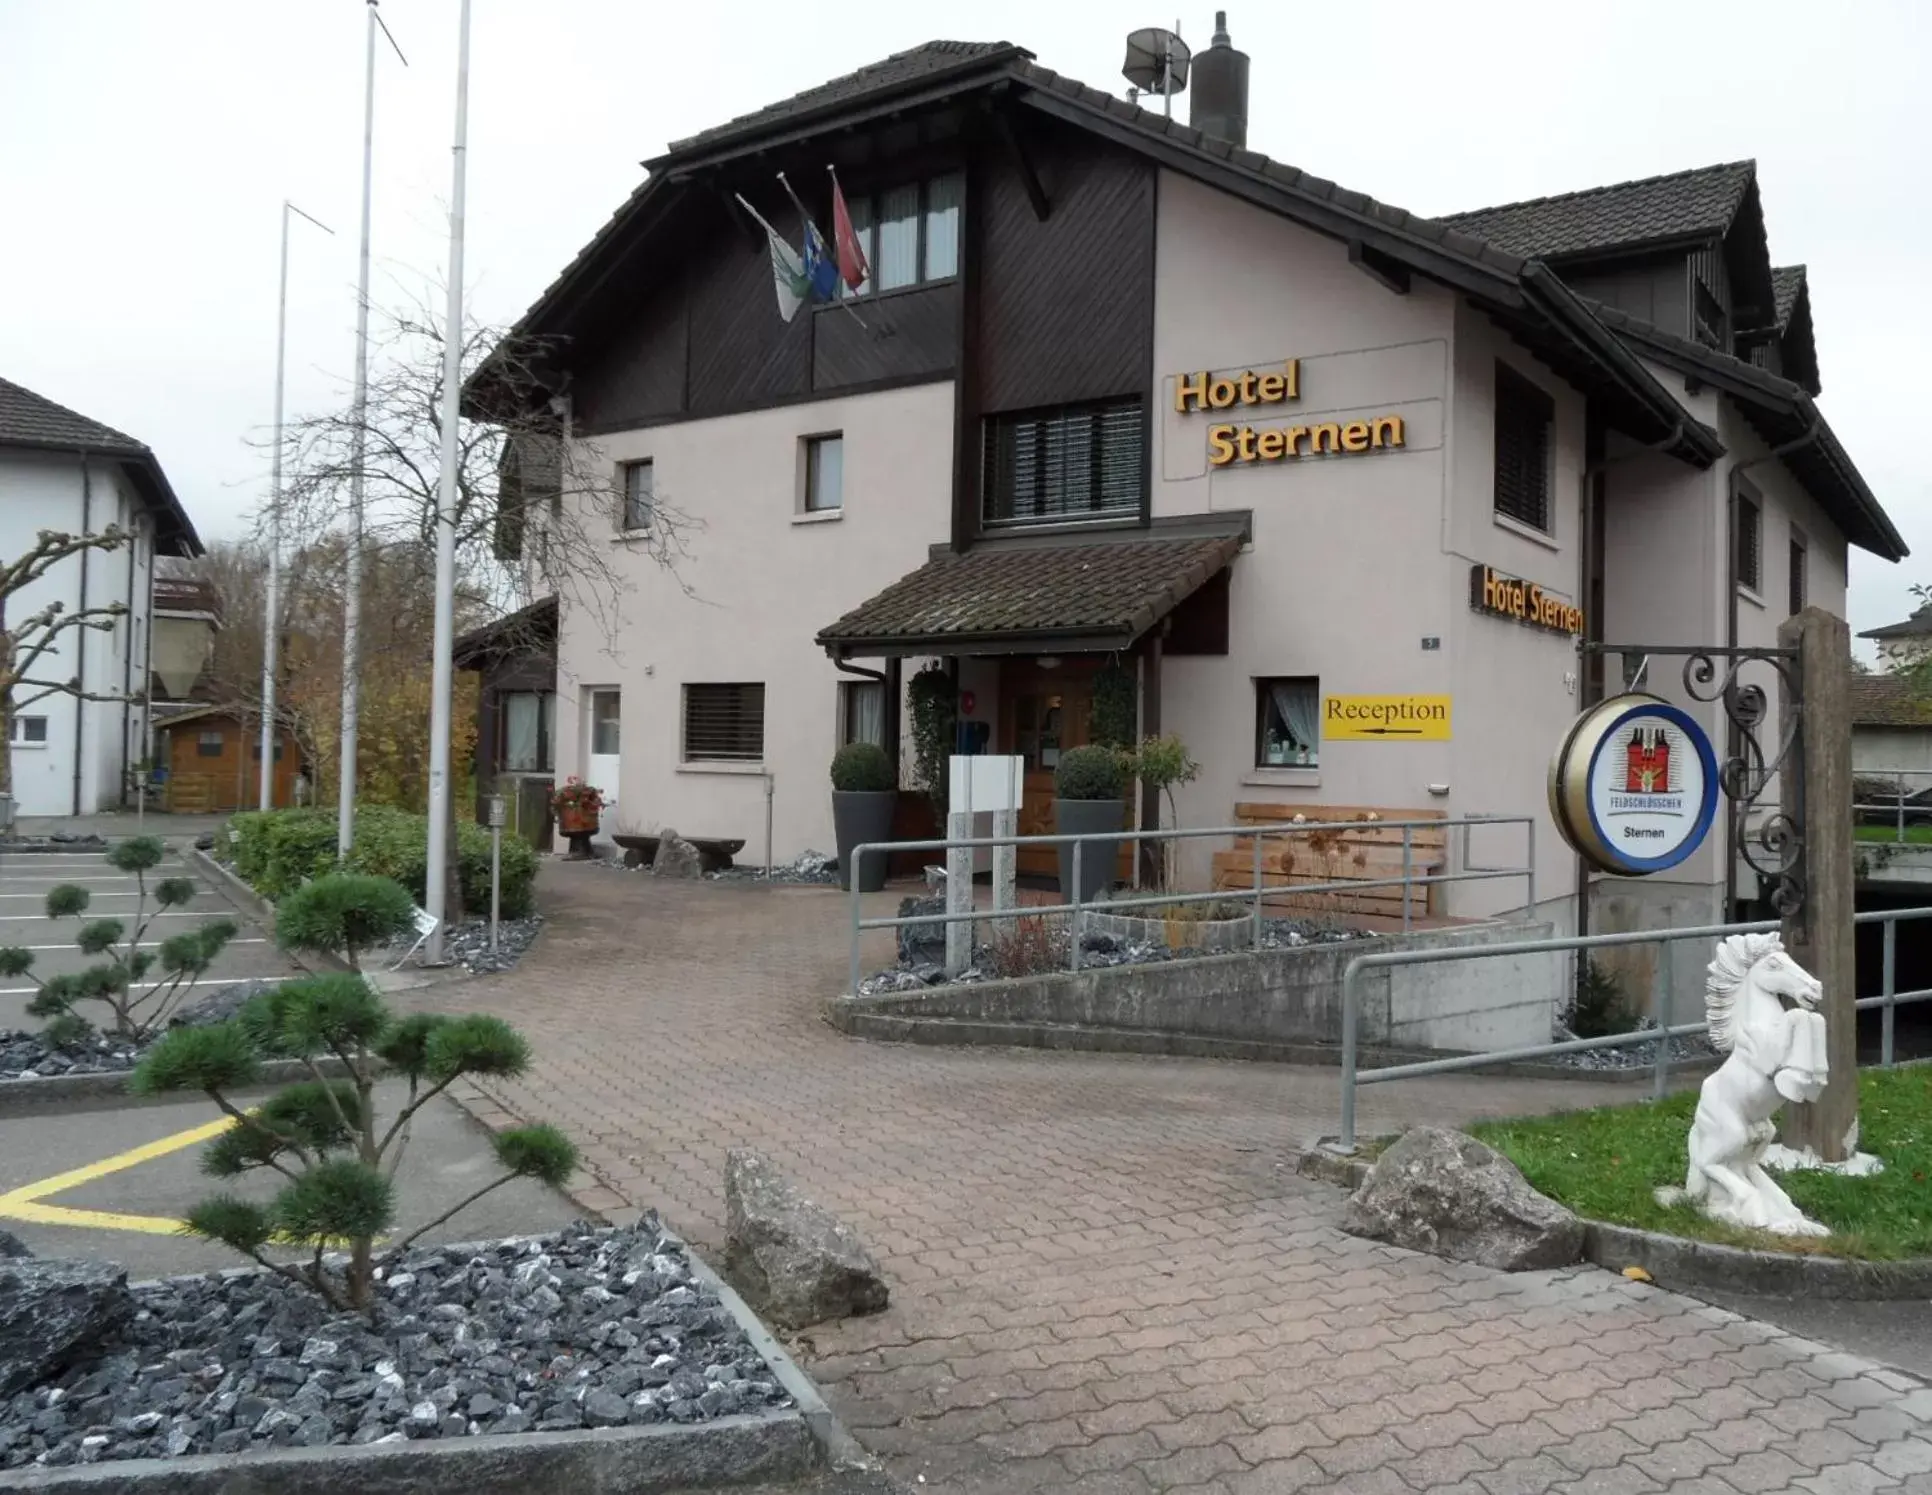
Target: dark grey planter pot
(860, 818)
(1080, 817)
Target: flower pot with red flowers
(578, 807)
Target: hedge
(276, 851)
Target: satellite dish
(1156, 61)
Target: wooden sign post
(1817, 793)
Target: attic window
(1713, 327)
(1524, 415)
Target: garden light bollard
(497, 812)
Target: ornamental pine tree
(140, 982)
(336, 1157)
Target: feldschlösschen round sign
(1634, 785)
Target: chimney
(1219, 82)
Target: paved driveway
(1106, 1275)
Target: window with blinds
(724, 723)
(1524, 416)
(1750, 545)
(1065, 465)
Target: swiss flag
(853, 269)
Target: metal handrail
(1078, 909)
(1888, 999)
(1896, 804)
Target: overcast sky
(148, 146)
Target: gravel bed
(468, 943)
(922, 955)
(28, 1056)
(586, 1328)
(59, 841)
(1686, 1050)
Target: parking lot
(26, 878)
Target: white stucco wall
(761, 581)
(46, 492)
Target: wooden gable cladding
(1066, 303)
(905, 334)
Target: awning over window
(1074, 593)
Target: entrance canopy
(1025, 594)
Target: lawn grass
(1915, 835)
(1605, 1163)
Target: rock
(677, 857)
(921, 944)
(794, 1260)
(52, 1312)
(10, 1245)
(219, 1005)
(1446, 1193)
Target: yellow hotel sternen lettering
(1227, 443)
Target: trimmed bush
(863, 768)
(1089, 773)
(344, 914)
(276, 851)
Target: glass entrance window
(1039, 724)
(604, 723)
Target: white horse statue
(1774, 1054)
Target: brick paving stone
(1622, 1479)
(1074, 1237)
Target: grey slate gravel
(28, 1056)
(588, 1327)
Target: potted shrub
(578, 807)
(865, 791)
(1087, 787)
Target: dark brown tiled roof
(921, 64)
(28, 419)
(1092, 592)
(1787, 283)
(1700, 201)
(1888, 701)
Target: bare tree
(26, 642)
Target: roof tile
(1787, 284)
(1888, 701)
(28, 419)
(1702, 200)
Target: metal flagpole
(271, 616)
(441, 669)
(345, 820)
(806, 219)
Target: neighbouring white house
(62, 471)
(1904, 643)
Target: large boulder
(677, 857)
(52, 1312)
(1446, 1193)
(794, 1261)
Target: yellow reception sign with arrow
(1385, 718)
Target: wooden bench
(1367, 847)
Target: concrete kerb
(1680, 1264)
(258, 906)
(92, 1089)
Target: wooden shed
(209, 759)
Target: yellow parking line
(85, 1219)
(88, 1172)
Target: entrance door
(602, 762)
(1043, 712)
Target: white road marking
(28, 991)
(144, 945)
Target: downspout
(80, 633)
(1732, 494)
(127, 660)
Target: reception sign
(1385, 718)
(1633, 786)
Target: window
(526, 731)
(606, 717)
(1063, 466)
(637, 495)
(724, 723)
(862, 711)
(208, 744)
(1750, 545)
(1523, 417)
(1288, 716)
(1796, 583)
(824, 474)
(28, 731)
(909, 233)
(257, 753)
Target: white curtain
(1300, 711)
(865, 706)
(520, 736)
(942, 226)
(898, 263)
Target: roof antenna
(1157, 59)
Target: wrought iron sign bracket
(1775, 850)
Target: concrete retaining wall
(1271, 1001)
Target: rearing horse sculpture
(1774, 1054)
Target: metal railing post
(1351, 994)
(1899, 783)
(1408, 841)
(1257, 890)
(1529, 827)
(1077, 924)
(1890, 992)
(1665, 1002)
(858, 857)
